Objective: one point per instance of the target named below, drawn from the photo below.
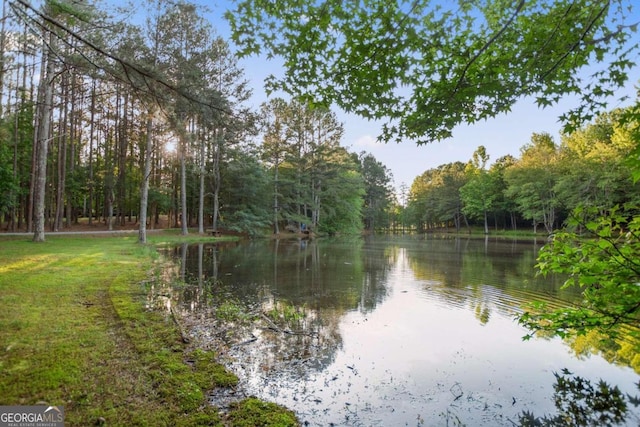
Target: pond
(384, 330)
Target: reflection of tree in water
(377, 260)
(580, 403)
(481, 274)
(620, 350)
(320, 282)
(482, 312)
(338, 274)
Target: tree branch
(127, 67)
(485, 47)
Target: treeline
(121, 121)
(588, 168)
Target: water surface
(382, 331)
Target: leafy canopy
(607, 269)
(427, 66)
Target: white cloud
(366, 141)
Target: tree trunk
(15, 210)
(122, 159)
(2, 50)
(43, 136)
(74, 132)
(62, 157)
(216, 178)
(201, 189)
(486, 223)
(109, 160)
(183, 186)
(109, 201)
(91, 137)
(144, 191)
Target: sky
(502, 135)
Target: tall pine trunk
(43, 135)
(144, 191)
(201, 192)
(183, 186)
(91, 137)
(216, 177)
(62, 157)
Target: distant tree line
(589, 168)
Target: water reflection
(377, 331)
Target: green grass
(74, 331)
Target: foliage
(378, 192)
(581, 403)
(316, 182)
(8, 186)
(342, 210)
(594, 164)
(605, 266)
(244, 199)
(630, 118)
(435, 197)
(479, 193)
(591, 167)
(456, 62)
(532, 180)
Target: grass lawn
(74, 331)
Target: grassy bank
(74, 331)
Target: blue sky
(503, 135)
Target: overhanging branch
(127, 67)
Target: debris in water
(456, 391)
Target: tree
(503, 204)
(274, 147)
(377, 182)
(341, 189)
(456, 62)
(246, 193)
(230, 87)
(185, 35)
(593, 164)
(133, 76)
(152, 57)
(43, 134)
(532, 181)
(606, 267)
(402, 207)
(342, 192)
(435, 197)
(479, 193)
(8, 185)
(446, 200)
(418, 201)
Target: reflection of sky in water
(425, 353)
